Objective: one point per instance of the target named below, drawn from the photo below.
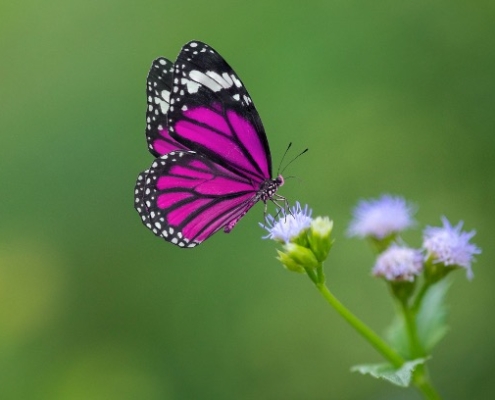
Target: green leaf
(431, 319)
(400, 377)
(430, 322)
(396, 335)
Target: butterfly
(213, 160)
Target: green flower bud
(301, 255)
(289, 263)
(402, 290)
(435, 271)
(319, 237)
(301, 239)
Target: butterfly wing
(212, 113)
(185, 198)
(158, 90)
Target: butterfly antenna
(294, 159)
(294, 177)
(282, 160)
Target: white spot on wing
(164, 104)
(227, 79)
(192, 87)
(220, 79)
(205, 80)
(165, 95)
(237, 82)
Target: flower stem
(420, 375)
(415, 348)
(419, 297)
(376, 341)
(423, 383)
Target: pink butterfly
(213, 160)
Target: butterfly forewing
(212, 113)
(158, 90)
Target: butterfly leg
(281, 208)
(267, 217)
(285, 206)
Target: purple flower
(399, 263)
(450, 246)
(381, 217)
(289, 224)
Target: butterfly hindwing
(212, 113)
(185, 198)
(158, 90)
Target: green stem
(415, 348)
(420, 375)
(423, 383)
(419, 297)
(312, 275)
(376, 341)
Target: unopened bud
(319, 237)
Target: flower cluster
(380, 218)
(444, 248)
(450, 246)
(306, 241)
(399, 263)
(289, 224)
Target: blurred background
(390, 97)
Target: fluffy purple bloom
(450, 246)
(289, 223)
(399, 263)
(381, 217)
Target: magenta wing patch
(213, 160)
(185, 198)
(226, 137)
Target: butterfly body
(212, 161)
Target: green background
(390, 97)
